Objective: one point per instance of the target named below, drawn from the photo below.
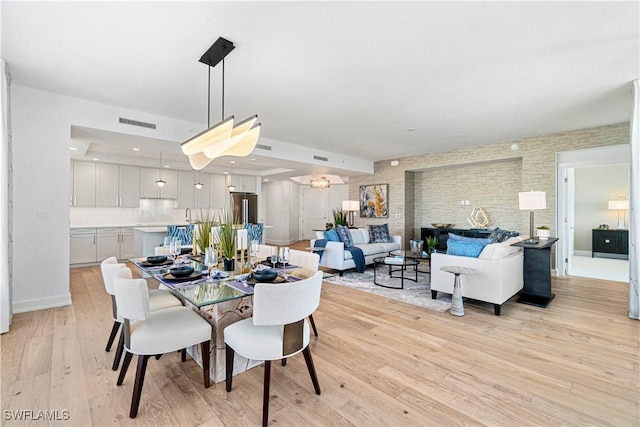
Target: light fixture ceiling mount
(224, 138)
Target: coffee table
(419, 256)
(403, 263)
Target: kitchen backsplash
(150, 211)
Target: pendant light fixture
(224, 138)
(160, 183)
(231, 187)
(320, 183)
(198, 185)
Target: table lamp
(532, 200)
(620, 205)
(350, 206)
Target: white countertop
(158, 229)
(152, 224)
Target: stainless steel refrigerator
(245, 207)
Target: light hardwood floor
(379, 362)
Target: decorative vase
(543, 234)
(228, 264)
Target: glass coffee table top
(409, 254)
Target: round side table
(457, 308)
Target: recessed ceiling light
(232, 161)
(226, 173)
(136, 149)
(95, 159)
(167, 166)
(254, 160)
(266, 179)
(73, 148)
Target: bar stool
(457, 308)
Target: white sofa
(337, 258)
(494, 280)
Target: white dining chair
(158, 300)
(277, 330)
(153, 333)
(308, 261)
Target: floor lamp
(532, 200)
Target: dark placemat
(171, 278)
(159, 264)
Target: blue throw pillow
(345, 236)
(461, 248)
(331, 235)
(379, 233)
(485, 240)
(498, 235)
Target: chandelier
(224, 138)
(320, 183)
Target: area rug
(416, 293)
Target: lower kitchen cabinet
(90, 245)
(82, 246)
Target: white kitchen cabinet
(84, 183)
(82, 245)
(243, 184)
(218, 194)
(149, 189)
(107, 185)
(188, 195)
(127, 243)
(108, 243)
(129, 186)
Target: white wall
(41, 123)
(594, 187)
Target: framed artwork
(374, 201)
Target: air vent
(263, 147)
(324, 159)
(137, 123)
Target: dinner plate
(192, 276)
(278, 279)
(148, 264)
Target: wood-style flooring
(379, 362)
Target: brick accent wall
(489, 176)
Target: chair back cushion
(307, 260)
(284, 303)
(109, 267)
(182, 232)
(132, 295)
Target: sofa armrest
(333, 255)
(397, 239)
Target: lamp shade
(619, 204)
(531, 200)
(350, 205)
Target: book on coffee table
(394, 260)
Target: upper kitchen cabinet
(117, 186)
(189, 196)
(84, 184)
(217, 191)
(243, 184)
(150, 190)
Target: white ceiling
(347, 77)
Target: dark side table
(537, 272)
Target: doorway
(587, 179)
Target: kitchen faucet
(187, 215)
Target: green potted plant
(432, 242)
(228, 237)
(204, 222)
(339, 217)
(543, 232)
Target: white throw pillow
(357, 236)
(365, 235)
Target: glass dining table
(219, 300)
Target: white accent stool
(457, 307)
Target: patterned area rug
(413, 293)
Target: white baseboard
(582, 253)
(41, 303)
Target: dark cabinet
(443, 234)
(610, 243)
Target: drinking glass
(274, 256)
(255, 246)
(286, 256)
(177, 248)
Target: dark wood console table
(537, 272)
(443, 234)
(610, 243)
